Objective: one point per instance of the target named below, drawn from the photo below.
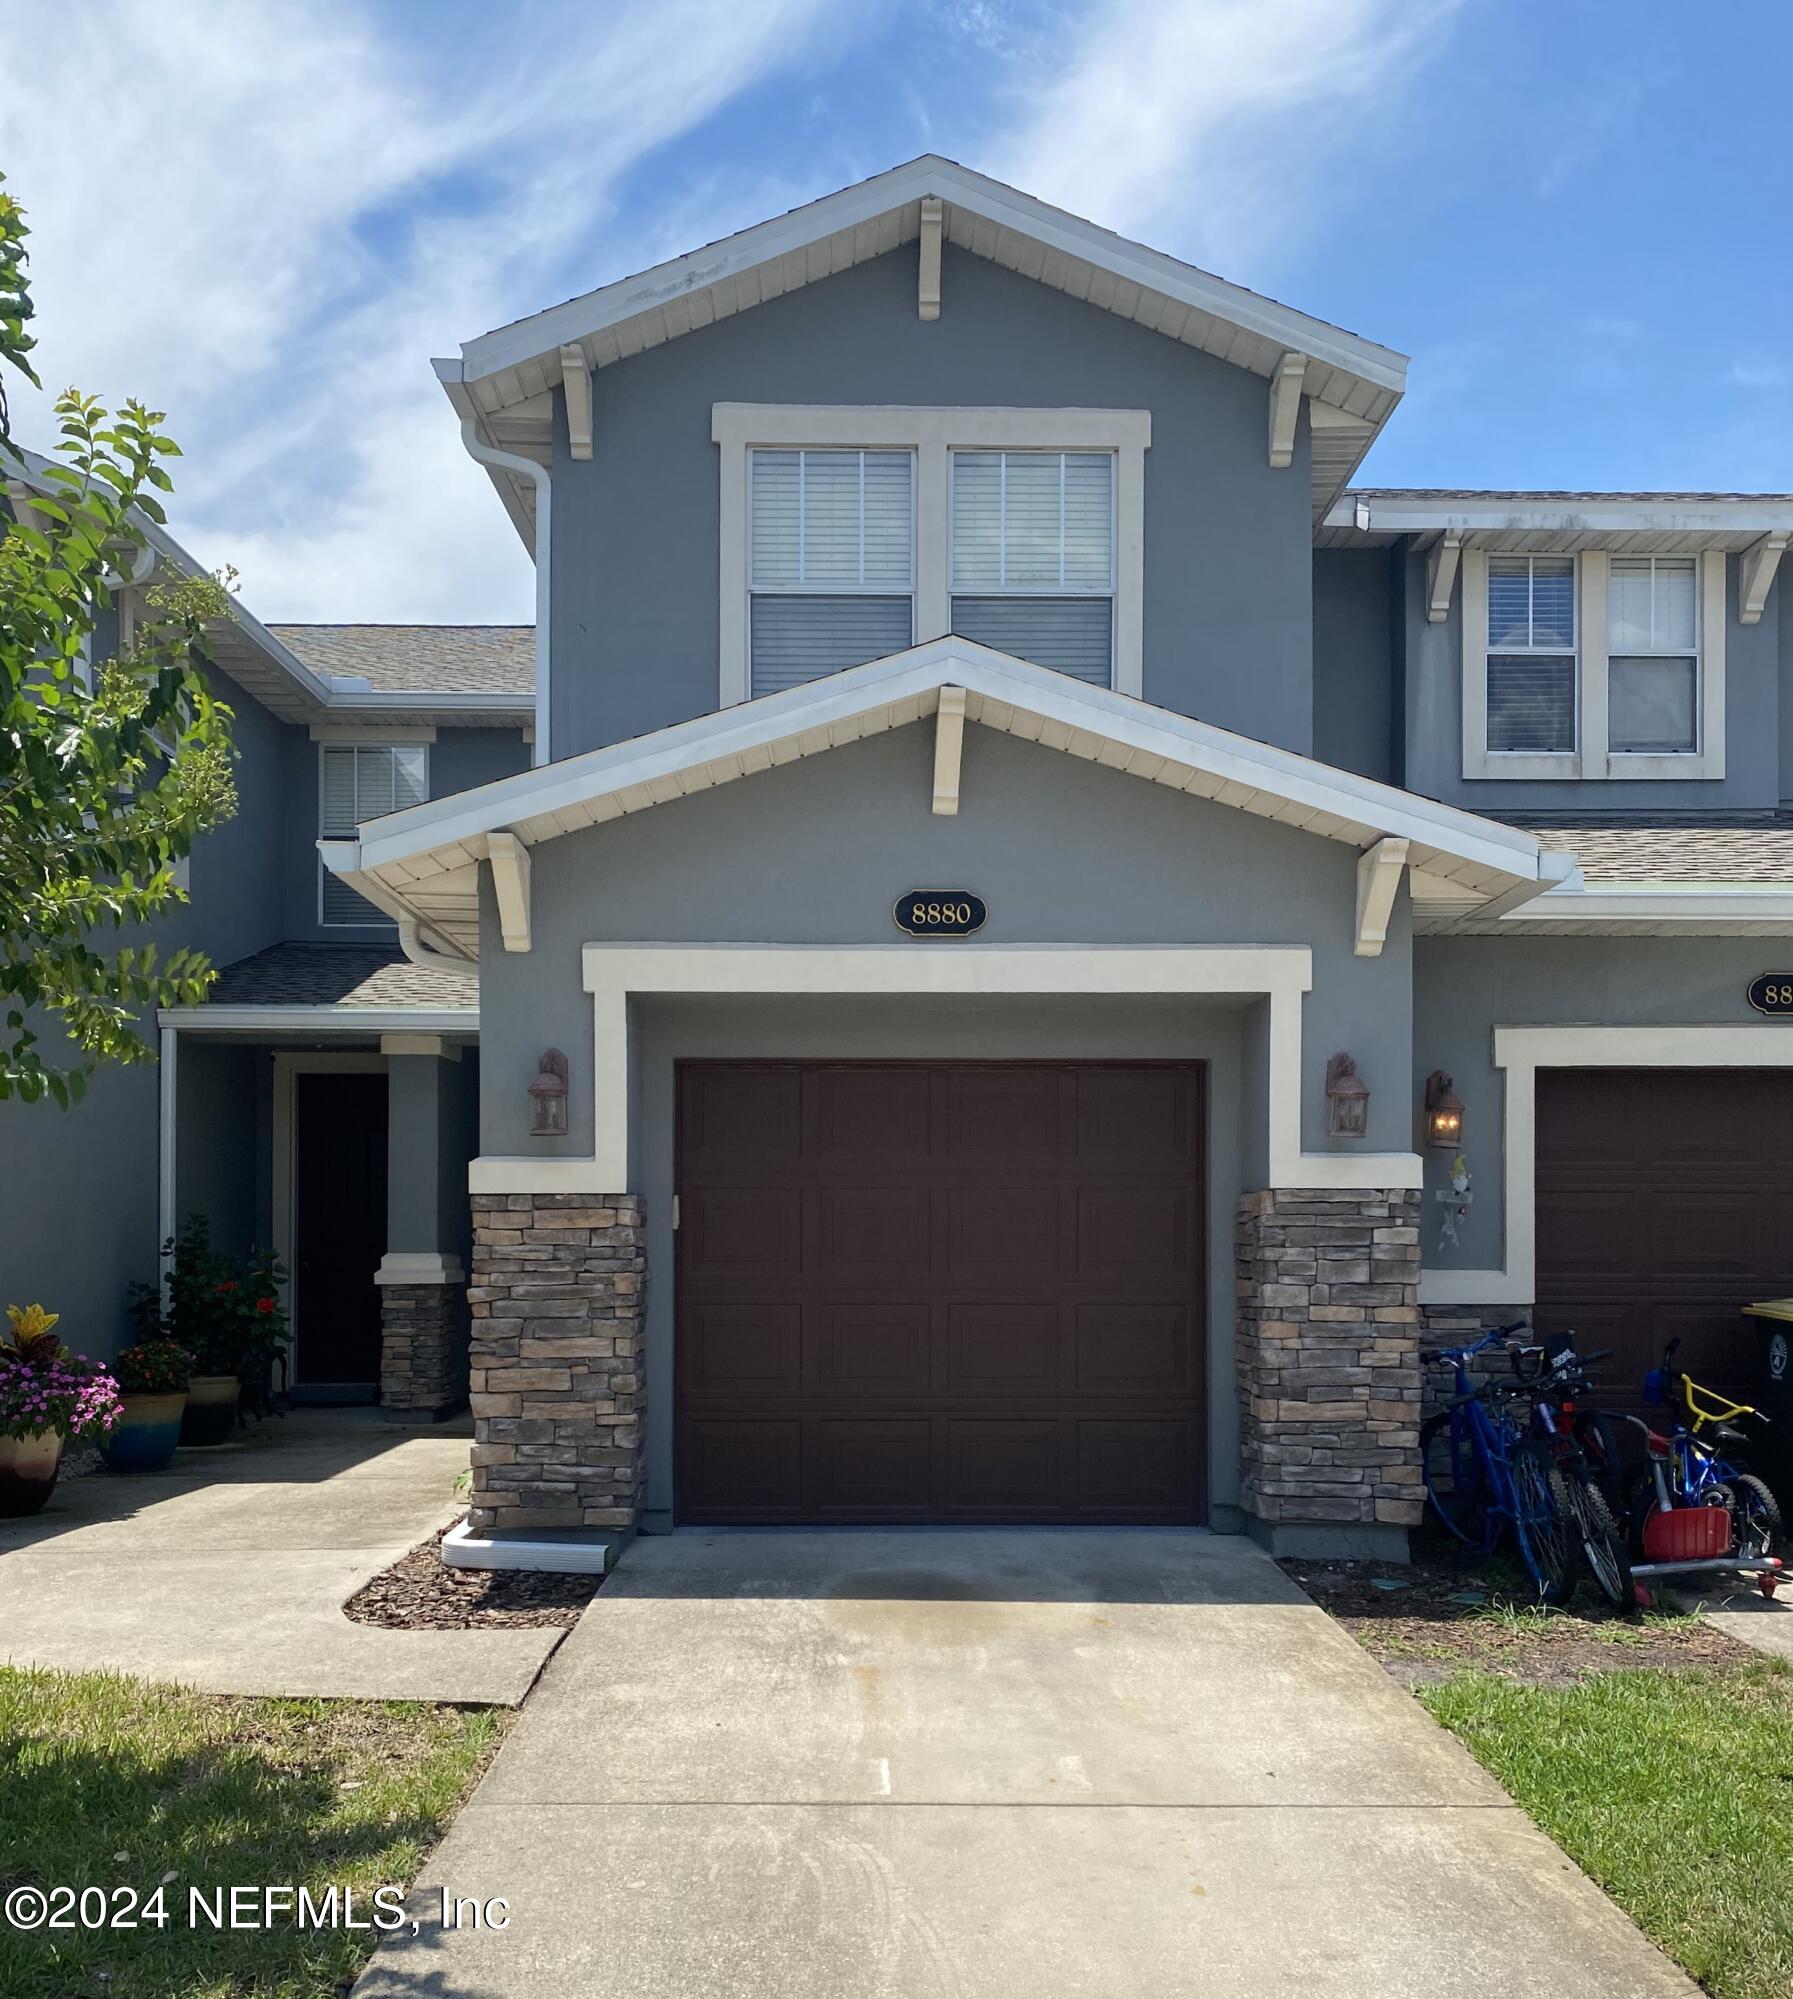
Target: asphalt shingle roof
(430, 659)
(348, 975)
(1672, 847)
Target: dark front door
(1665, 1202)
(339, 1227)
(940, 1291)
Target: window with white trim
(1033, 556)
(1599, 665)
(832, 567)
(358, 782)
(1532, 673)
(1653, 655)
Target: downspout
(510, 461)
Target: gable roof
(422, 865)
(505, 379)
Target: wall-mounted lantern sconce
(1347, 1099)
(1444, 1114)
(548, 1098)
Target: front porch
(325, 1102)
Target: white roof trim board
(424, 863)
(1542, 522)
(505, 379)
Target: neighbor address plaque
(1772, 992)
(939, 912)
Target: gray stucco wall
(971, 1029)
(1228, 541)
(223, 1167)
(1354, 661)
(1465, 987)
(1434, 724)
(1062, 852)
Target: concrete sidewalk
(229, 1571)
(986, 1763)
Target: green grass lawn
(106, 1781)
(1674, 1790)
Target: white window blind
(358, 782)
(1033, 556)
(832, 564)
(1531, 652)
(1653, 654)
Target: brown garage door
(1665, 1201)
(940, 1291)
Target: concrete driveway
(1048, 1764)
(228, 1571)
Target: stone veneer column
(423, 1348)
(556, 1381)
(1327, 1343)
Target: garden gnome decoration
(1458, 1200)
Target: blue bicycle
(1484, 1472)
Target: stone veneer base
(1327, 1347)
(423, 1351)
(556, 1383)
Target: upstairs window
(1531, 653)
(358, 782)
(832, 565)
(1653, 655)
(1033, 556)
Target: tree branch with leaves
(109, 771)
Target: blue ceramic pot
(144, 1437)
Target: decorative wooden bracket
(510, 884)
(1441, 576)
(949, 750)
(1755, 576)
(933, 216)
(576, 377)
(1378, 876)
(1285, 407)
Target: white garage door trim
(616, 973)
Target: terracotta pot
(28, 1467)
(211, 1412)
(147, 1430)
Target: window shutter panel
(1089, 521)
(977, 520)
(1073, 634)
(777, 477)
(801, 638)
(338, 808)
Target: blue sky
(1571, 216)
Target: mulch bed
(1449, 1611)
(420, 1593)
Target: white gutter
(527, 468)
(311, 1020)
(1463, 513)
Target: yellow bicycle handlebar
(1716, 1409)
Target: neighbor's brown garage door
(952, 1291)
(1665, 1201)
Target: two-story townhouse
(1045, 935)
(323, 1101)
(991, 764)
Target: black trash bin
(1772, 1392)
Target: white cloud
(283, 213)
(1209, 122)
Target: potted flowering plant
(152, 1382)
(48, 1397)
(224, 1312)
